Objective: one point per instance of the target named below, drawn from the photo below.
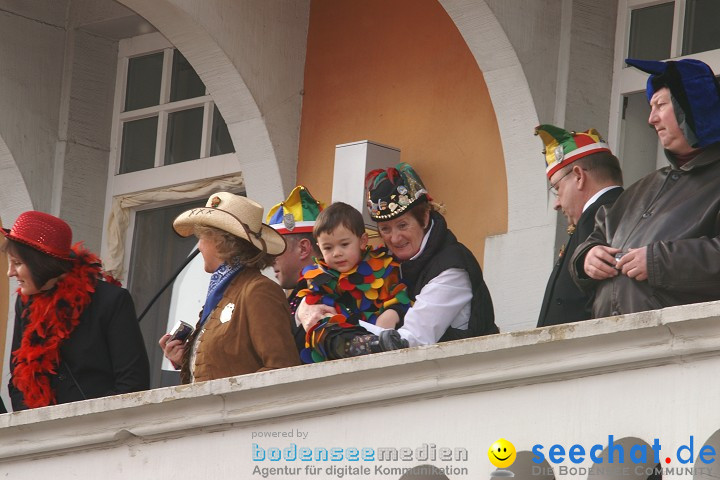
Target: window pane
(640, 145)
(143, 81)
(184, 136)
(220, 140)
(156, 253)
(185, 82)
(138, 145)
(701, 26)
(651, 32)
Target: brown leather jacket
(676, 213)
(247, 332)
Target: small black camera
(181, 332)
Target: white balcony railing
(637, 377)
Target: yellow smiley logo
(502, 453)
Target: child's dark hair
(338, 214)
(42, 267)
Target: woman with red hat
(76, 335)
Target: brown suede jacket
(247, 332)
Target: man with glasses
(659, 245)
(584, 175)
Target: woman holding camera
(244, 326)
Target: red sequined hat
(43, 232)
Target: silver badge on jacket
(227, 312)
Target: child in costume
(359, 283)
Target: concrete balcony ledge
(670, 336)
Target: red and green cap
(563, 147)
(297, 214)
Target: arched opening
(135, 202)
(266, 178)
(530, 221)
(14, 199)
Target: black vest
(443, 251)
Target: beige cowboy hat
(233, 214)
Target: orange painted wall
(399, 73)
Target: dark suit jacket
(298, 331)
(564, 302)
(104, 355)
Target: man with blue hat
(583, 175)
(294, 219)
(659, 245)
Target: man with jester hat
(659, 245)
(294, 219)
(584, 175)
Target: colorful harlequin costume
(360, 294)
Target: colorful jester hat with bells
(563, 147)
(695, 93)
(297, 214)
(391, 192)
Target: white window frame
(630, 80)
(161, 176)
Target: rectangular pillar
(352, 162)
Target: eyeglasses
(554, 186)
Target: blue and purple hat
(695, 89)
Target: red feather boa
(49, 318)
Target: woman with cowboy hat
(244, 326)
(76, 335)
(445, 282)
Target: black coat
(105, 354)
(564, 302)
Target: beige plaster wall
(32, 38)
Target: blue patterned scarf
(219, 281)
